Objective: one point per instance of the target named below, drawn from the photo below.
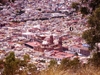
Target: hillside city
(43, 29)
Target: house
(57, 55)
(33, 44)
(79, 49)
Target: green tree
(90, 6)
(70, 64)
(11, 65)
(74, 64)
(64, 64)
(92, 35)
(26, 57)
(24, 62)
(95, 60)
(32, 69)
(53, 63)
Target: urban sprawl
(43, 29)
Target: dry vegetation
(83, 71)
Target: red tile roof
(34, 44)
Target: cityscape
(44, 30)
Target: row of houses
(49, 45)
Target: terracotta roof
(33, 44)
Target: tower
(60, 44)
(60, 41)
(51, 39)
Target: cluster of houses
(46, 29)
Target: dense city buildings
(44, 29)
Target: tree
(94, 4)
(24, 62)
(95, 60)
(84, 10)
(88, 36)
(1, 64)
(90, 6)
(75, 6)
(64, 64)
(74, 64)
(92, 35)
(70, 64)
(53, 63)
(32, 69)
(11, 65)
(26, 57)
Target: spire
(51, 39)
